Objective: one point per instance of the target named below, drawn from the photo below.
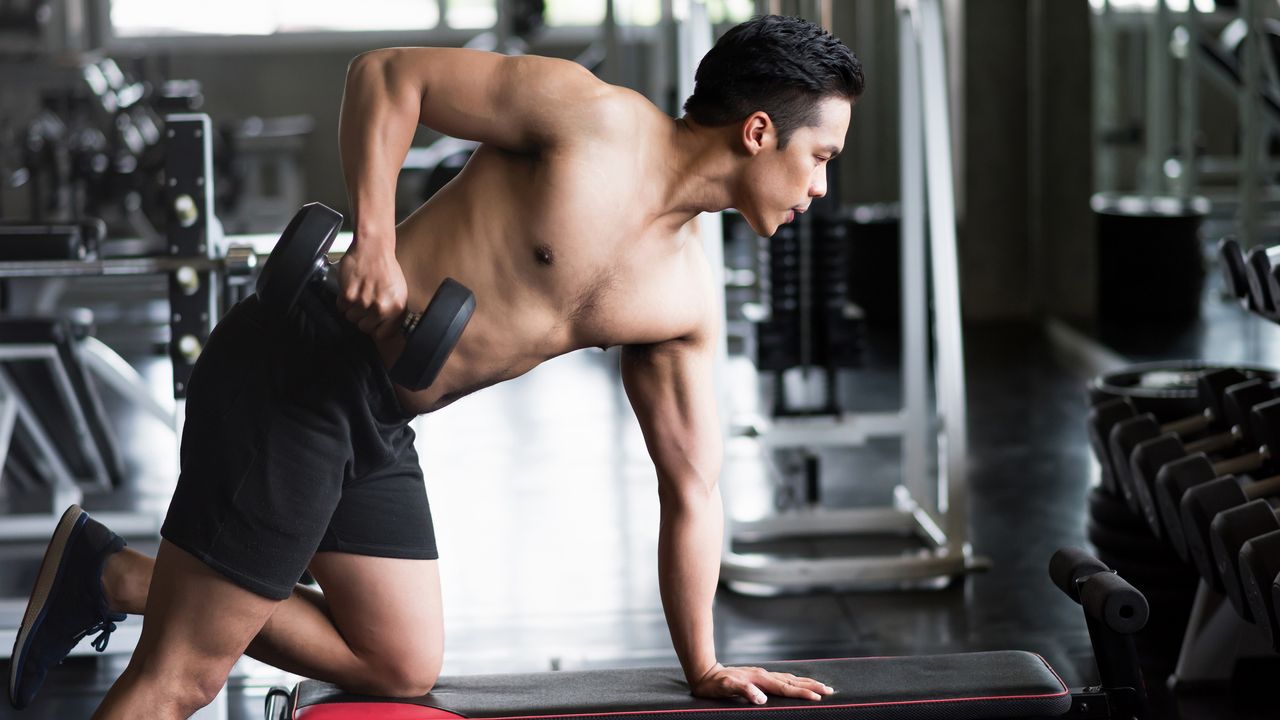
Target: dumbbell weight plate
(429, 345)
(300, 250)
(1168, 389)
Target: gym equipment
(1201, 504)
(1259, 569)
(1260, 265)
(1235, 273)
(1118, 423)
(1149, 456)
(1228, 533)
(301, 258)
(1003, 684)
(1178, 478)
(930, 506)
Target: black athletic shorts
(294, 443)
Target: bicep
(518, 103)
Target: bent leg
(378, 629)
(197, 624)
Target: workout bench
(968, 686)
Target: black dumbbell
(1149, 456)
(1201, 504)
(1259, 570)
(1260, 263)
(1105, 416)
(1161, 498)
(1128, 433)
(300, 258)
(1234, 271)
(1228, 533)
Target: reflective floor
(546, 515)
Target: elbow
(689, 489)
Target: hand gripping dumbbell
(300, 258)
(1161, 497)
(1259, 571)
(1202, 503)
(1149, 456)
(1105, 416)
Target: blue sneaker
(67, 603)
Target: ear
(758, 132)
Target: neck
(701, 170)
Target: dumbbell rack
(1252, 277)
(1216, 637)
(930, 505)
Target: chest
(581, 238)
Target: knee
(184, 693)
(205, 688)
(404, 677)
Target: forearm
(689, 544)
(380, 110)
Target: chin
(760, 226)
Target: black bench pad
(969, 686)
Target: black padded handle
(1110, 599)
(1105, 596)
(1069, 565)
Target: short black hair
(781, 65)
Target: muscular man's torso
(564, 250)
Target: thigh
(197, 622)
(387, 609)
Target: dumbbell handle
(329, 279)
(1214, 443)
(1265, 487)
(1242, 463)
(1190, 424)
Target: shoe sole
(50, 573)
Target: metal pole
(1106, 110)
(1251, 140)
(1159, 133)
(915, 299)
(949, 379)
(1189, 102)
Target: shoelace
(104, 628)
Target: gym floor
(546, 516)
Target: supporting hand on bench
(755, 683)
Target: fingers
(782, 685)
(373, 316)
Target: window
(471, 14)
(142, 18)
(574, 12)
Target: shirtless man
(572, 225)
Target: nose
(818, 188)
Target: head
(785, 88)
